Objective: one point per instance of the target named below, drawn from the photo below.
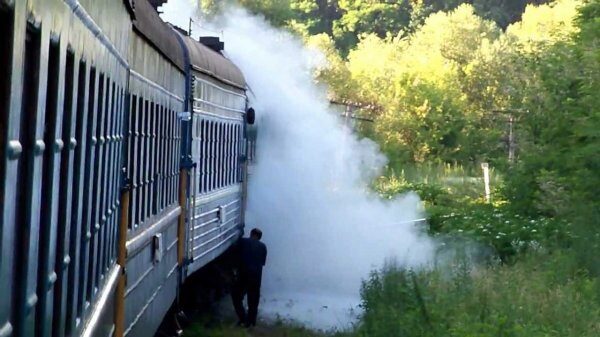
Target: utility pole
(512, 142)
(486, 181)
(511, 139)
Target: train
(125, 152)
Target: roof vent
(212, 42)
(157, 3)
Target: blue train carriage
(217, 149)
(156, 213)
(91, 95)
(63, 82)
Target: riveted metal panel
(148, 278)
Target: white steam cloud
(325, 231)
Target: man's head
(256, 234)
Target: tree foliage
(346, 21)
(441, 79)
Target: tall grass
(541, 295)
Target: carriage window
(161, 155)
(229, 151)
(28, 118)
(85, 295)
(67, 132)
(223, 163)
(77, 168)
(202, 139)
(238, 149)
(48, 195)
(215, 168)
(220, 157)
(204, 154)
(151, 160)
(131, 150)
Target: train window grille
(151, 158)
(160, 156)
(158, 150)
(232, 154)
(161, 146)
(96, 122)
(73, 298)
(226, 162)
(214, 156)
(209, 159)
(146, 162)
(241, 149)
(27, 235)
(47, 240)
(176, 155)
(221, 148)
(132, 135)
(206, 156)
(159, 159)
(215, 165)
(165, 161)
(202, 159)
(105, 166)
(87, 219)
(113, 196)
(168, 156)
(139, 162)
(221, 155)
(226, 155)
(236, 154)
(228, 143)
(63, 256)
(112, 167)
(229, 153)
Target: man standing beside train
(252, 257)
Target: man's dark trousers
(248, 283)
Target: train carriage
(108, 198)
(218, 147)
(157, 96)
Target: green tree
(419, 82)
(278, 12)
(379, 17)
